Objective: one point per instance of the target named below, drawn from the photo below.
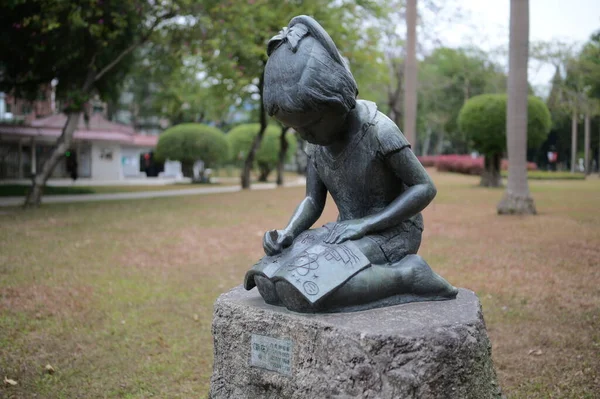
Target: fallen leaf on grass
(49, 369)
(535, 352)
(196, 318)
(8, 381)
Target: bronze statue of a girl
(367, 258)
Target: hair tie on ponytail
(321, 35)
(292, 35)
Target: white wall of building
(106, 161)
(130, 161)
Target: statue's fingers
(268, 244)
(347, 235)
(332, 236)
(341, 238)
(285, 241)
(268, 249)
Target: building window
(8, 107)
(26, 109)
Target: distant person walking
(552, 158)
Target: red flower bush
(464, 164)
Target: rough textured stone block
(416, 350)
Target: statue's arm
(419, 194)
(311, 208)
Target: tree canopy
(74, 42)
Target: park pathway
(55, 199)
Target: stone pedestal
(416, 350)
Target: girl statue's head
(307, 84)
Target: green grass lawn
(117, 296)
(19, 190)
(550, 175)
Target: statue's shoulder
(385, 131)
(310, 149)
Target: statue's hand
(347, 230)
(276, 241)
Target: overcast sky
(485, 24)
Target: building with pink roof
(103, 150)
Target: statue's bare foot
(416, 277)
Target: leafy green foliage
(483, 120)
(236, 34)
(240, 140)
(84, 44)
(575, 92)
(448, 78)
(590, 65)
(190, 142)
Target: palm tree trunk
(573, 141)
(517, 198)
(410, 75)
(586, 129)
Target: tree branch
(129, 49)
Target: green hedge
(241, 137)
(190, 142)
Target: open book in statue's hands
(313, 267)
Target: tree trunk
(573, 141)
(301, 157)
(264, 172)
(257, 140)
(491, 176)
(34, 197)
(586, 141)
(517, 199)
(426, 143)
(410, 75)
(440, 143)
(394, 97)
(283, 147)
(187, 168)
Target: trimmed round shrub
(191, 142)
(483, 119)
(240, 140)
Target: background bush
(483, 119)
(191, 142)
(240, 140)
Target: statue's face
(322, 127)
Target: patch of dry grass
(117, 296)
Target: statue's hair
(305, 70)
